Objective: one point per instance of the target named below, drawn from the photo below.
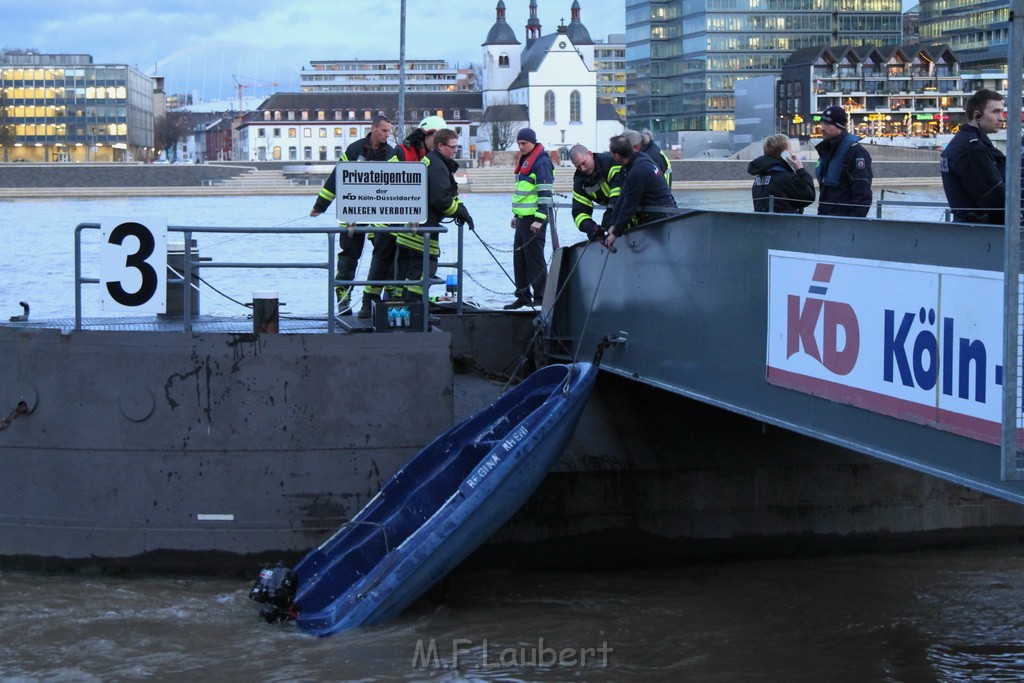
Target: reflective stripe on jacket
(532, 195)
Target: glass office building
(685, 56)
(65, 108)
(979, 32)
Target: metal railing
(947, 214)
(193, 265)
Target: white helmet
(432, 123)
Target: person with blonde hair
(781, 183)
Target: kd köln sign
(920, 343)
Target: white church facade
(548, 84)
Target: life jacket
(530, 197)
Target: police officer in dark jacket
(844, 168)
(643, 185)
(973, 170)
(779, 174)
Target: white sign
(133, 265)
(381, 192)
(920, 343)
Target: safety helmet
(432, 123)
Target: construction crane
(240, 88)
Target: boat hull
(483, 470)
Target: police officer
(781, 175)
(596, 181)
(531, 203)
(973, 170)
(844, 168)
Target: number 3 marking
(137, 261)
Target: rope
(539, 328)
(488, 249)
(593, 300)
(19, 410)
(207, 283)
(249, 234)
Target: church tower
(580, 36)
(502, 58)
(533, 31)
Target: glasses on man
(449, 146)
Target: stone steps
(261, 179)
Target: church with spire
(547, 83)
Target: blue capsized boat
(435, 511)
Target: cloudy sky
(199, 42)
(215, 35)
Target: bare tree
(503, 120)
(169, 129)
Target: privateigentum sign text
(921, 343)
(381, 192)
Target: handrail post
(458, 267)
(186, 287)
(78, 276)
(330, 281)
(425, 282)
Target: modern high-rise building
(610, 65)
(978, 31)
(684, 57)
(62, 107)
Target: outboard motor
(275, 590)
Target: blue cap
(528, 135)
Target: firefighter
(442, 202)
(596, 181)
(374, 147)
(531, 202)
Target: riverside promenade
(63, 180)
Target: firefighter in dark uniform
(373, 147)
(844, 168)
(442, 202)
(657, 154)
(642, 186)
(973, 170)
(596, 181)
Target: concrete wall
(115, 175)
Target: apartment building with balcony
(369, 75)
(319, 126)
(907, 90)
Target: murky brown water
(924, 616)
(951, 616)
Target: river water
(922, 616)
(37, 247)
